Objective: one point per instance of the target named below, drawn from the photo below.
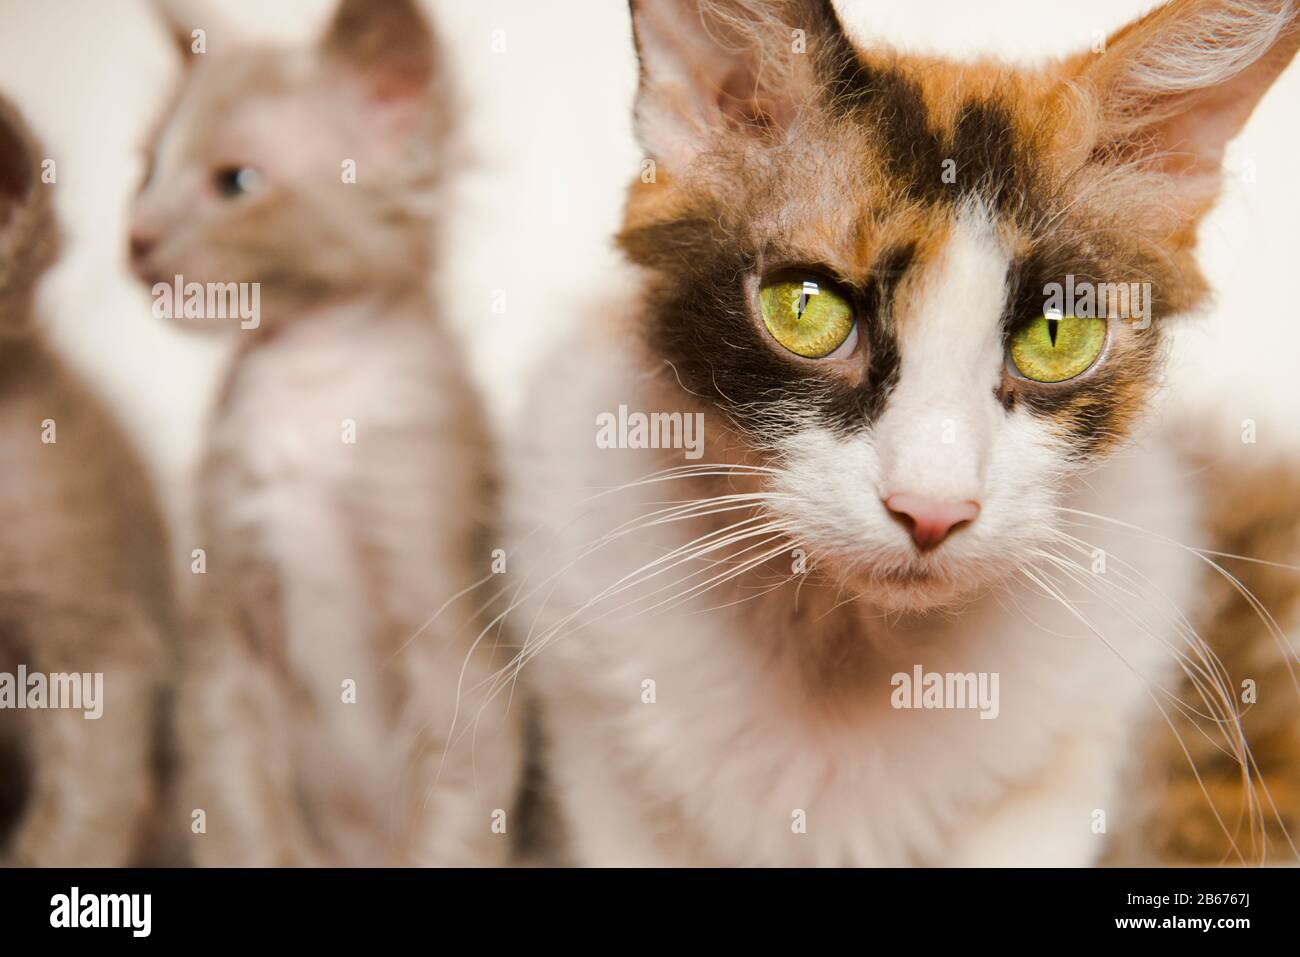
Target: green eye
(1056, 348)
(806, 316)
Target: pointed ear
(28, 234)
(17, 165)
(190, 26)
(388, 43)
(713, 65)
(1175, 86)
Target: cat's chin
(914, 592)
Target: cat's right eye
(234, 181)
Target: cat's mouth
(916, 588)
(909, 576)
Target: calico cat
(329, 714)
(83, 579)
(896, 613)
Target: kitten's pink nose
(928, 520)
(141, 245)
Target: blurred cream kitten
(328, 715)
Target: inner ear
(386, 43)
(1177, 85)
(738, 64)
(743, 105)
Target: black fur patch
(703, 328)
(979, 154)
(876, 324)
(977, 157)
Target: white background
(547, 121)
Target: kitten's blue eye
(233, 181)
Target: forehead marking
(953, 329)
(979, 151)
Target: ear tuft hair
(709, 66)
(1176, 86)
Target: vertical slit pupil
(809, 290)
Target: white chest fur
(335, 468)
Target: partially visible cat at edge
(914, 466)
(328, 713)
(85, 601)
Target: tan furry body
(327, 563)
(329, 713)
(1200, 803)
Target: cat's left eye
(806, 314)
(1053, 348)
(233, 181)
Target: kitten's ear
(388, 43)
(190, 25)
(1175, 86)
(714, 65)
(17, 166)
(28, 235)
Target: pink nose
(928, 520)
(140, 247)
